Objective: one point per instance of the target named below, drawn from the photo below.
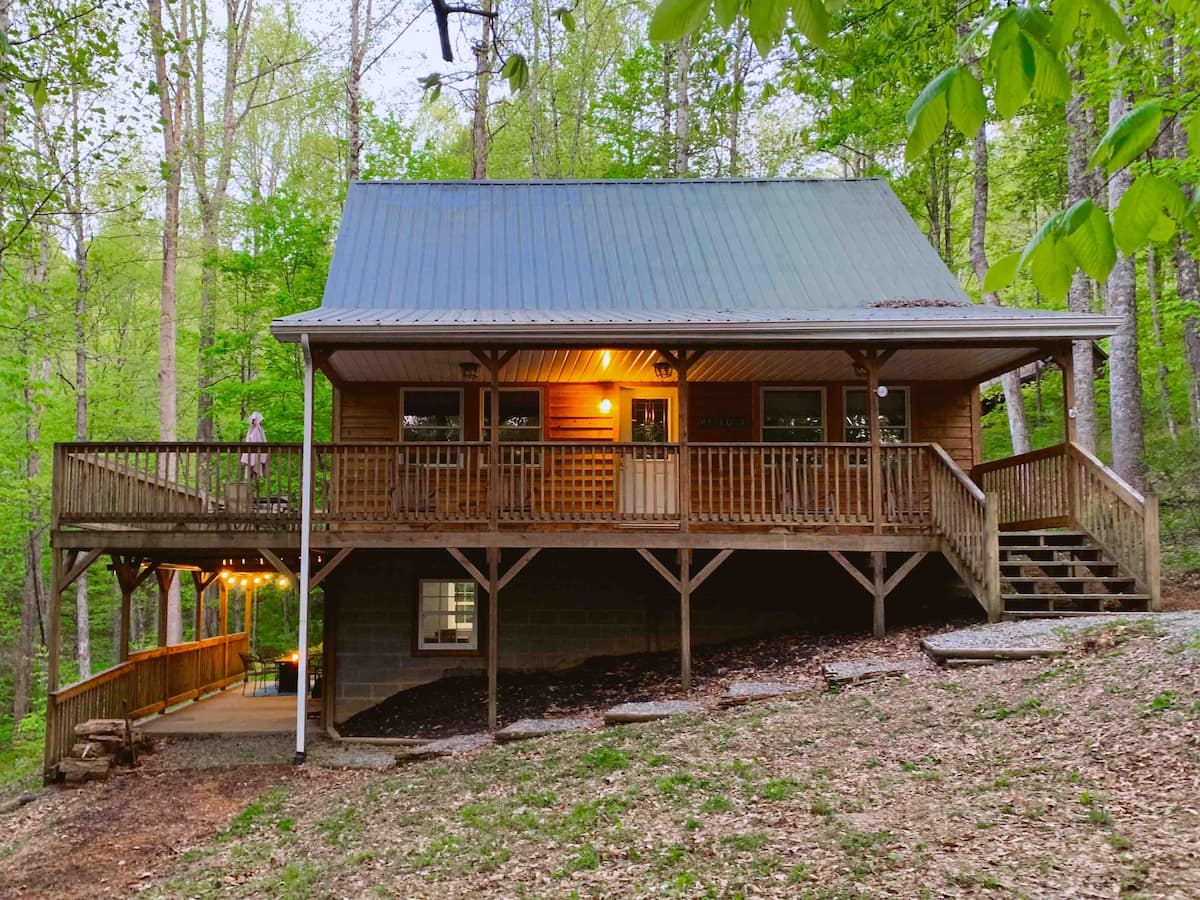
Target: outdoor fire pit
(288, 675)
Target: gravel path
(1051, 633)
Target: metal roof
(571, 259)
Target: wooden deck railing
(966, 519)
(147, 682)
(1031, 488)
(255, 487)
(1066, 486)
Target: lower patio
(230, 712)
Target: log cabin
(583, 418)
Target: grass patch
(605, 759)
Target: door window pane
(649, 425)
(792, 416)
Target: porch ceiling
(366, 364)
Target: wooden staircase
(1063, 573)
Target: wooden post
(872, 365)
(879, 594)
(54, 633)
(991, 556)
(329, 667)
(493, 632)
(1153, 552)
(164, 577)
(223, 623)
(685, 618)
(200, 583)
(248, 609)
(493, 486)
(1067, 367)
(685, 461)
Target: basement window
(447, 616)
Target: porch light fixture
(470, 371)
(606, 406)
(860, 371)
(663, 370)
(882, 391)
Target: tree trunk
(1014, 401)
(1079, 299)
(683, 109)
(170, 106)
(1187, 272)
(664, 114)
(479, 119)
(1160, 347)
(1125, 381)
(360, 36)
(83, 652)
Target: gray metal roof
(418, 257)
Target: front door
(649, 484)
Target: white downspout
(306, 491)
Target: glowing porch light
(605, 359)
(283, 582)
(606, 406)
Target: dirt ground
(458, 705)
(1071, 777)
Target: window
(893, 416)
(431, 415)
(520, 415)
(648, 423)
(446, 619)
(791, 416)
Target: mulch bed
(458, 704)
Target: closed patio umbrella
(254, 463)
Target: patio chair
(254, 668)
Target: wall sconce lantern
(663, 370)
(470, 371)
(860, 371)
(606, 406)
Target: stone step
(650, 712)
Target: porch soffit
(360, 364)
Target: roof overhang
(1022, 330)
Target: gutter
(727, 334)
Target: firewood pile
(100, 745)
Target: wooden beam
(326, 570)
(876, 439)
(712, 566)
(659, 567)
(143, 574)
(853, 570)
(79, 563)
(878, 563)
(54, 635)
(279, 565)
(165, 577)
(901, 573)
(516, 568)
(470, 567)
(493, 637)
(685, 619)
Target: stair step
(1043, 536)
(1043, 598)
(1057, 563)
(1092, 548)
(1061, 613)
(1071, 579)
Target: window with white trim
(893, 416)
(447, 615)
(793, 415)
(520, 414)
(431, 415)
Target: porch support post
(683, 362)
(685, 618)
(493, 635)
(164, 577)
(493, 361)
(878, 564)
(54, 630)
(223, 623)
(1067, 367)
(876, 466)
(201, 582)
(306, 500)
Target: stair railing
(1121, 520)
(1031, 489)
(966, 519)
